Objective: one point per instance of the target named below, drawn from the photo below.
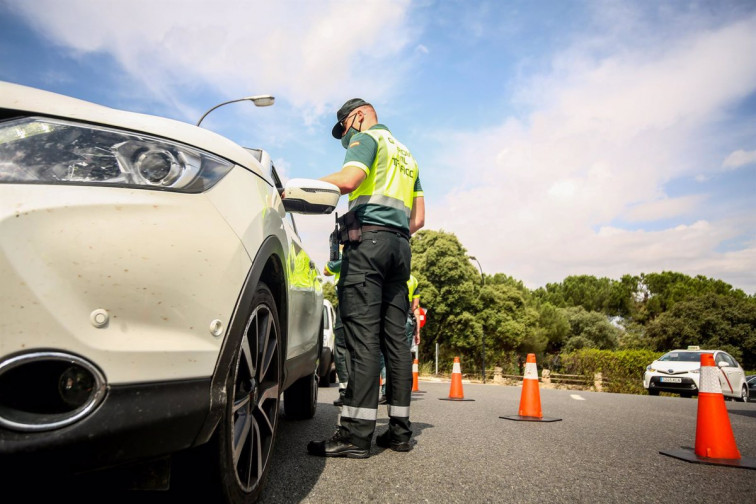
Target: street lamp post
(258, 100)
(483, 339)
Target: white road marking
(577, 397)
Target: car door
(731, 375)
(305, 292)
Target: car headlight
(49, 151)
(650, 369)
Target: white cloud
(311, 53)
(604, 138)
(663, 208)
(739, 158)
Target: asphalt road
(605, 449)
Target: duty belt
(399, 231)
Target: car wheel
(332, 375)
(301, 399)
(653, 392)
(327, 365)
(247, 432)
(744, 393)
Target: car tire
(244, 441)
(332, 375)
(744, 393)
(301, 399)
(327, 366)
(653, 392)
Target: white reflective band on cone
(456, 368)
(531, 371)
(398, 411)
(709, 380)
(414, 368)
(359, 413)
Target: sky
(554, 137)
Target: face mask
(348, 136)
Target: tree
(554, 325)
(447, 282)
(465, 310)
(712, 321)
(592, 328)
(663, 290)
(329, 293)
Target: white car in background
(678, 372)
(155, 298)
(327, 368)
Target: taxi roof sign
(694, 347)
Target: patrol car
(677, 372)
(156, 303)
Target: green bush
(622, 369)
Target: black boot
(338, 446)
(384, 441)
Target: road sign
(422, 316)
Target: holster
(350, 228)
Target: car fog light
(75, 386)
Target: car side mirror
(310, 196)
(722, 364)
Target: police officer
(412, 329)
(386, 206)
(333, 268)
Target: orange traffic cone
(455, 391)
(530, 399)
(715, 442)
(415, 375)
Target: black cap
(343, 113)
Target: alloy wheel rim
(256, 398)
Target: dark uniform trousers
(373, 303)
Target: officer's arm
(347, 180)
(417, 217)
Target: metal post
(483, 339)
(436, 358)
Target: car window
(727, 358)
(280, 188)
(681, 357)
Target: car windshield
(681, 357)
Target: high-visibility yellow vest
(412, 287)
(386, 195)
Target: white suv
(155, 295)
(678, 371)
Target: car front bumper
(141, 283)
(134, 422)
(686, 385)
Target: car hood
(675, 367)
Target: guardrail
(595, 382)
(547, 379)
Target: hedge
(623, 369)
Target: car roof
(29, 100)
